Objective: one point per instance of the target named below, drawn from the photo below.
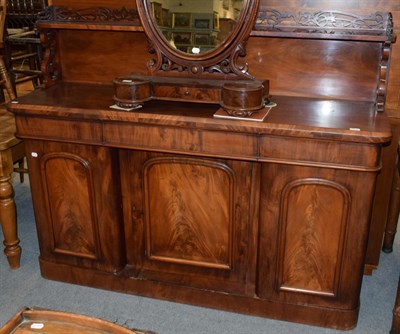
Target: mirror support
(217, 76)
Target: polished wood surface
(266, 218)
(8, 218)
(181, 175)
(263, 62)
(31, 320)
(298, 116)
(279, 60)
(360, 7)
(352, 6)
(381, 202)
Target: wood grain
(314, 234)
(295, 6)
(308, 207)
(172, 238)
(184, 199)
(75, 224)
(266, 218)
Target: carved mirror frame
(221, 60)
(216, 76)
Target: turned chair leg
(6, 81)
(8, 213)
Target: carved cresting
(90, 15)
(330, 22)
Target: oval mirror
(195, 27)
(198, 36)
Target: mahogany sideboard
(266, 218)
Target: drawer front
(62, 130)
(320, 153)
(187, 93)
(181, 140)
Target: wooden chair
(18, 151)
(22, 43)
(4, 75)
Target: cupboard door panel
(190, 220)
(309, 219)
(78, 216)
(67, 179)
(310, 245)
(189, 209)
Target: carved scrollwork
(50, 65)
(90, 15)
(381, 91)
(327, 22)
(231, 65)
(228, 66)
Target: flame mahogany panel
(319, 214)
(187, 220)
(78, 223)
(183, 198)
(74, 222)
(311, 249)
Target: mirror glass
(193, 26)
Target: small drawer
(187, 93)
